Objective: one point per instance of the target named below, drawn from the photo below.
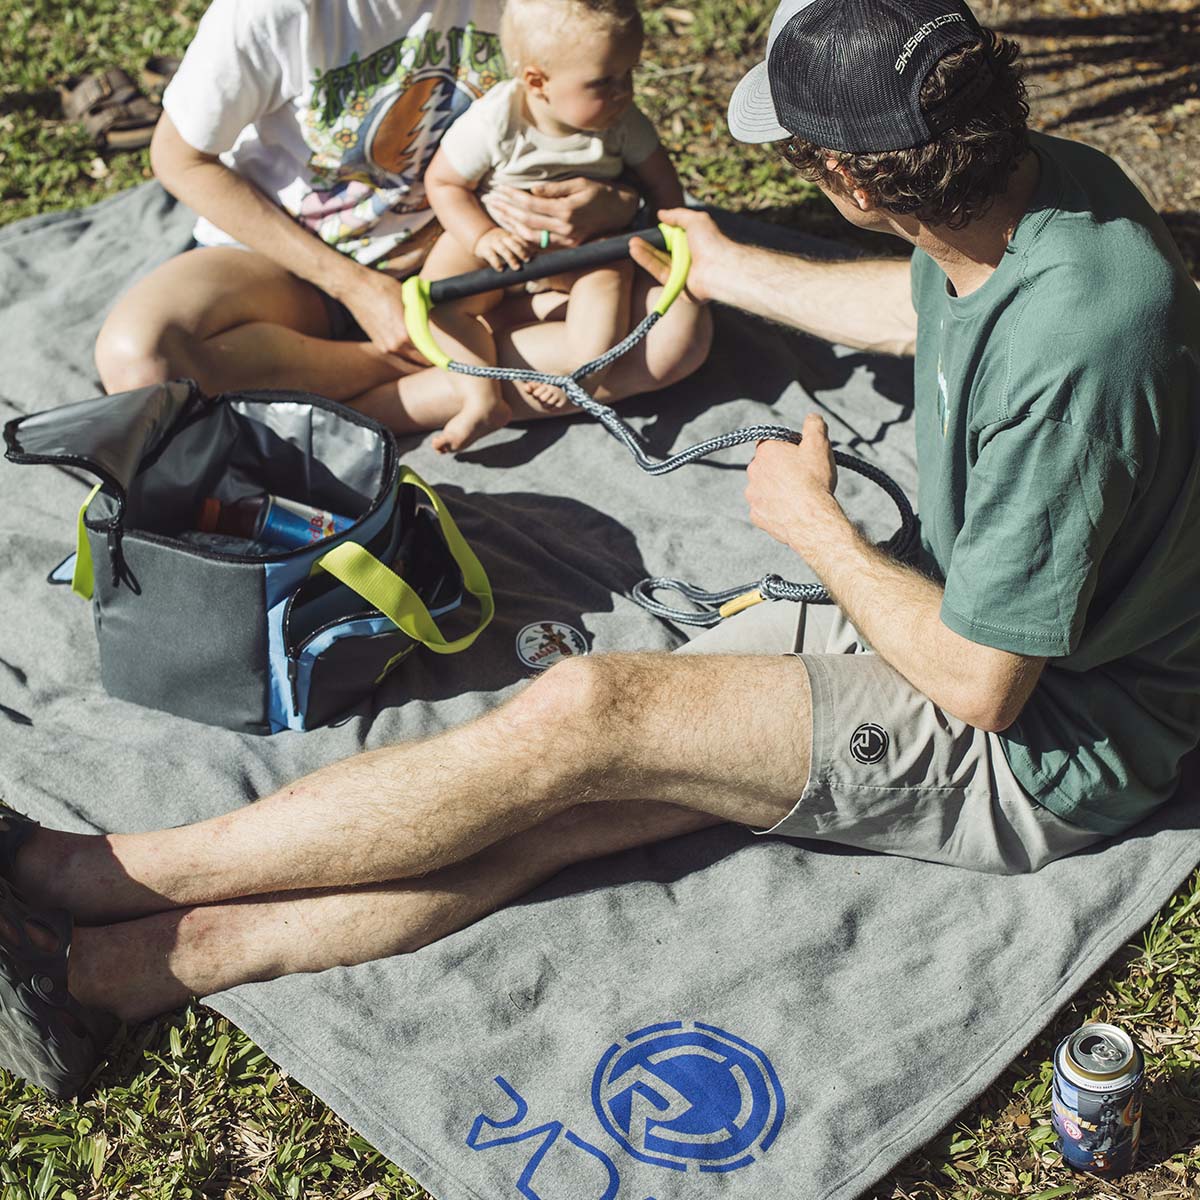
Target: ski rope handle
(420, 296)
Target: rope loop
(706, 604)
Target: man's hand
(790, 489)
(500, 249)
(376, 303)
(571, 211)
(713, 254)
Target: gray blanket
(715, 1016)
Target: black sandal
(46, 1036)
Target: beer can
(1097, 1104)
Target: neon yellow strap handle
(82, 578)
(681, 264)
(418, 303)
(382, 588)
(417, 307)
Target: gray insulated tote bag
(264, 641)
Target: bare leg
(140, 968)
(674, 348)
(597, 319)
(481, 407)
(726, 736)
(230, 318)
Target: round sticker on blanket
(688, 1096)
(543, 643)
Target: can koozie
(1097, 1105)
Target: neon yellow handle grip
(82, 578)
(681, 264)
(414, 291)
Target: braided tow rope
(710, 607)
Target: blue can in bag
(271, 521)
(290, 523)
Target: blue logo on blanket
(689, 1096)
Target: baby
(567, 111)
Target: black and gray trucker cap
(847, 74)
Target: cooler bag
(265, 642)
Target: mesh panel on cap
(847, 74)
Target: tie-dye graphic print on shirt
(374, 124)
(335, 107)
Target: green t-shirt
(1058, 429)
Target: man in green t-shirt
(1056, 333)
(1028, 688)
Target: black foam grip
(549, 262)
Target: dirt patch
(1125, 78)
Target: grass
(190, 1107)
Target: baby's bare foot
(545, 394)
(469, 426)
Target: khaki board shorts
(890, 770)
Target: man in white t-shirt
(300, 131)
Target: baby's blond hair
(532, 30)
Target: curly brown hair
(956, 177)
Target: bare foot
(545, 394)
(469, 426)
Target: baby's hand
(500, 249)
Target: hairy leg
(676, 346)
(140, 968)
(727, 736)
(230, 318)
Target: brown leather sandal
(108, 104)
(157, 73)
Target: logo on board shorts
(688, 1096)
(869, 743)
(543, 643)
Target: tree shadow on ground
(1172, 1105)
(1104, 70)
(1153, 56)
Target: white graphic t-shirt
(334, 107)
